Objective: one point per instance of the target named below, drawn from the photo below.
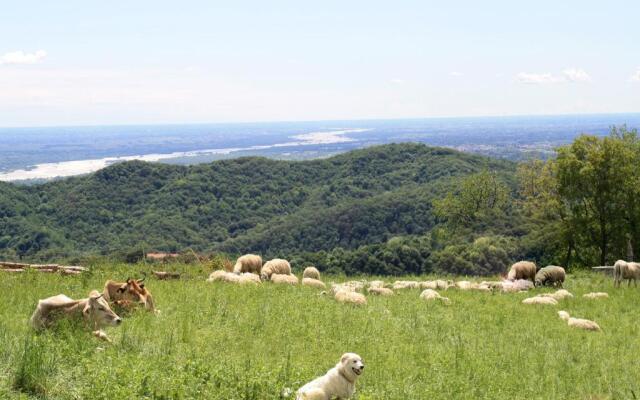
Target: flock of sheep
(522, 276)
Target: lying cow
(129, 294)
(94, 310)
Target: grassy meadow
(222, 341)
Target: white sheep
(223, 276)
(380, 291)
(406, 285)
(596, 295)
(430, 294)
(540, 300)
(311, 272)
(275, 266)
(626, 270)
(519, 285)
(344, 296)
(318, 284)
(376, 284)
(578, 322)
(249, 278)
(284, 279)
(248, 263)
(522, 270)
(559, 294)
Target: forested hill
(249, 204)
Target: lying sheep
(284, 279)
(550, 276)
(519, 285)
(578, 322)
(465, 285)
(376, 284)
(311, 272)
(443, 285)
(313, 283)
(380, 291)
(344, 296)
(275, 266)
(249, 278)
(559, 294)
(492, 284)
(248, 263)
(406, 285)
(350, 286)
(522, 270)
(540, 300)
(596, 295)
(223, 276)
(430, 294)
(625, 270)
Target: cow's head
(97, 310)
(133, 290)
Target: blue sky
(90, 62)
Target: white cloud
(20, 57)
(537, 79)
(397, 81)
(576, 75)
(635, 77)
(455, 73)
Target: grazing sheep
(596, 295)
(223, 276)
(465, 285)
(318, 284)
(559, 294)
(406, 285)
(356, 286)
(519, 285)
(540, 300)
(285, 279)
(443, 285)
(522, 270)
(275, 266)
(551, 275)
(626, 270)
(578, 322)
(311, 272)
(344, 296)
(430, 294)
(248, 263)
(428, 285)
(380, 291)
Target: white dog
(338, 383)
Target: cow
(129, 294)
(94, 310)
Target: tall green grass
(221, 341)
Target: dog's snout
(118, 321)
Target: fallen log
(13, 265)
(162, 275)
(12, 270)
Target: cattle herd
(97, 310)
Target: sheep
(380, 291)
(540, 300)
(249, 278)
(344, 296)
(492, 284)
(465, 285)
(522, 270)
(318, 284)
(248, 263)
(550, 275)
(519, 285)
(275, 266)
(311, 272)
(428, 285)
(430, 294)
(559, 294)
(443, 285)
(223, 276)
(356, 286)
(626, 270)
(284, 278)
(578, 322)
(376, 284)
(596, 295)
(406, 285)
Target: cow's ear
(122, 288)
(86, 309)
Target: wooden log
(69, 272)
(603, 267)
(74, 268)
(162, 275)
(12, 270)
(13, 265)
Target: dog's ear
(344, 358)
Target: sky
(145, 62)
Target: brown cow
(129, 294)
(94, 310)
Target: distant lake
(45, 153)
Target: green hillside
(250, 204)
